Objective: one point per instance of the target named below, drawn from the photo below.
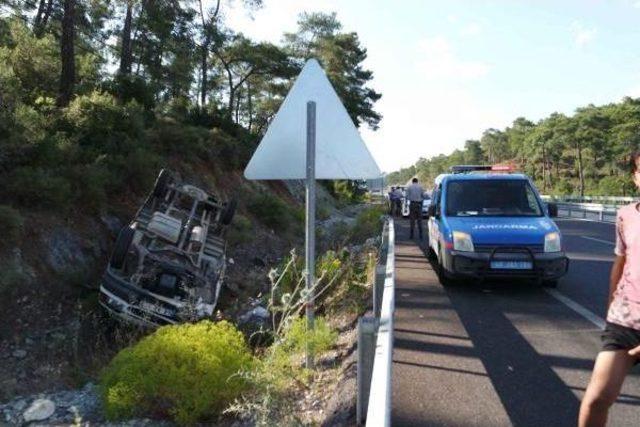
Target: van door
(433, 224)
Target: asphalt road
(501, 354)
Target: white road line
(598, 240)
(589, 315)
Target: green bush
(176, 139)
(11, 224)
(368, 224)
(323, 212)
(611, 186)
(35, 61)
(270, 210)
(99, 123)
(32, 186)
(563, 187)
(188, 372)
(235, 152)
(320, 339)
(136, 170)
(281, 365)
(240, 230)
(346, 192)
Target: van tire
(444, 280)
(162, 183)
(121, 249)
(431, 254)
(228, 212)
(550, 283)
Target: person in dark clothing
(415, 195)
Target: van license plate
(155, 308)
(511, 265)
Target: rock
(40, 410)
(260, 312)
(257, 314)
(20, 405)
(370, 242)
(67, 251)
(231, 261)
(19, 354)
(28, 341)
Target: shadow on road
(529, 389)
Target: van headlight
(462, 242)
(552, 242)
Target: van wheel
(431, 254)
(121, 249)
(162, 183)
(228, 212)
(550, 283)
(442, 274)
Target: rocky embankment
(64, 408)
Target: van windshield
(492, 197)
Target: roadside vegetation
(95, 98)
(188, 373)
(200, 372)
(583, 154)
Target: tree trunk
(204, 54)
(38, 18)
(544, 168)
(42, 17)
(249, 106)
(126, 53)
(67, 54)
(238, 101)
(232, 95)
(580, 171)
(205, 71)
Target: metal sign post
(311, 222)
(341, 154)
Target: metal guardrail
(587, 208)
(375, 341)
(606, 200)
(593, 211)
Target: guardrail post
(367, 327)
(601, 216)
(378, 287)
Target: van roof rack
(469, 168)
(457, 169)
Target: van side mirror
(432, 211)
(553, 210)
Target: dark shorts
(618, 337)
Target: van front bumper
(134, 305)
(544, 266)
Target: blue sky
(449, 70)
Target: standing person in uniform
(415, 195)
(392, 200)
(621, 336)
(397, 201)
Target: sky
(448, 70)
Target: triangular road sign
(340, 151)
